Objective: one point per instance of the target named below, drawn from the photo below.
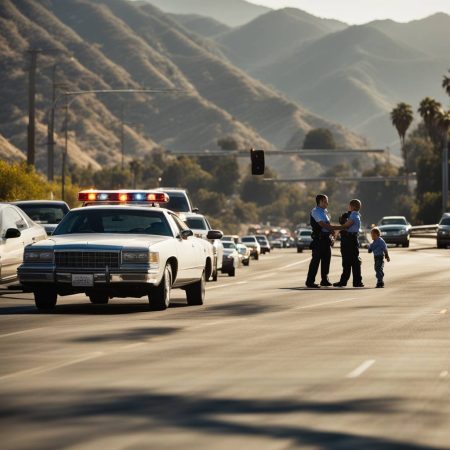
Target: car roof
(128, 206)
(189, 215)
(393, 217)
(39, 202)
(176, 190)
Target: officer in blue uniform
(351, 262)
(322, 235)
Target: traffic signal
(258, 164)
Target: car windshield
(305, 233)
(261, 239)
(114, 221)
(228, 245)
(248, 239)
(45, 214)
(393, 221)
(196, 223)
(178, 203)
(445, 221)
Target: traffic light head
(258, 164)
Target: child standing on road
(379, 249)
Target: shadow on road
(119, 412)
(325, 289)
(129, 335)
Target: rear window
(45, 214)
(305, 233)
(196, 223)
(248, 239)
(178, 203)
(228, 245)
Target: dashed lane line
(361, 369)
(226, 285)
(15, 333)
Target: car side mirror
(214, 234)
(12, 233)
(184, 234)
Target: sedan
(17, 231)
(395, 230)
(47, 213)
(443, 231)
(230, 260)
(303, 239)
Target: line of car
(118, 244)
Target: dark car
(47, 213)
(443, 231)
(395, 230)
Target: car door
(188, 254)
(11, 250)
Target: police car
(115, 247)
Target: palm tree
(402, 116)
(446, 83)
(429, 110)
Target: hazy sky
(361, 11)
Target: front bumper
(396, 239)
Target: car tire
(246, 262)
(159, 297)
(299, 250)
(405, 245)
(215, 275)
(45, 299)
(232, 272)
(256, 256)
(195, 292)
(439, 245)
(99, 299)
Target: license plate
(82, 280)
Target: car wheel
(195, 293)
(256, 256)
(299, 250)
(45, 299)
(440, 245)
(159, 297)
(215, 275)
(232, 272)
(246, 262)
(99, 299)
(405, 245)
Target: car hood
(94, 240)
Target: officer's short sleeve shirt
(356, 218)
(321, 215)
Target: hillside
(113, 44)
(236, 12)
(356, 76)
(204, 26)
(276, 33)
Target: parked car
(253, 244)
(230, 260)
(47, 213)
(17, 231)
(200, 225)
(443, 231)
(244, 254)
(303, 239)
(395, 230)
(264, 243)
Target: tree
(446, 83)
(428, 110)
(320, 139)
(402, 117)
(228, 143)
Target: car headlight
(402, 232)
(135, 257)
(42, 256)
(383, 233)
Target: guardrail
(424, 231)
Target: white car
(17, 231)
(118, 251)
(200, 225)
(252, 243)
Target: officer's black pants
(350, 259)
(321, 255)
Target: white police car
(115, 248)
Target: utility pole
(122, 137)
(31, 130)
(445, 172)
(51, 130)
(64, 155)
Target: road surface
(265, 364)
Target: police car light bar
(123, 196)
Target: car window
(305, 233)
(12, 219)
(114, 221)
(179, 223)
(229, 245)
(393, 221)
(178, 203)
(248, 239)
(196, 223)
(44, 214)
(445, 221)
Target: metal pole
(31, 130)
(51, 130)
(445, 173)
(122, 137)
(64, 155)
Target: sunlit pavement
(265, 364)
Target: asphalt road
(265, 364)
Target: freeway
(265, 364)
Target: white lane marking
(20, 332)
(226, 285)
(296, 263)
(43, 369)
(443, 311)
(443, 374)
(361, 369)
(326, 303)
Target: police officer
(322, 235)
(351, 263)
